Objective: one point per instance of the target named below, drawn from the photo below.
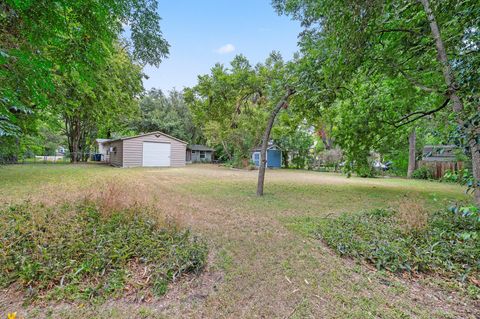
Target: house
(101, 148)
(439, 153)
(274, 156)
(199, 153)
(154, 149)
(439, 159)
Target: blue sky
(203, 32)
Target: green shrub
(423, 172)
(462, 176)
(366, 171)
(449, 243)
(79, 253)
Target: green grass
(80, 253)
(270, 265)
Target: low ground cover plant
(410, 240)
(79, 252)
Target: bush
(80, 253)
(366, 171)
(448, 243)
(462, 176)
(422, 173)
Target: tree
(166, 113)
(412, 142)
(105, 103)
(42, 41)
(282, 103)
(394, 39)
(294, 137)
(237, 106)
(473, 137)
(229, 105)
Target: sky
(204, 32)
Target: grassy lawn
(262, 261)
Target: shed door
(156, 154)
(256, 158)
(274, 158)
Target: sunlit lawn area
(262, 262)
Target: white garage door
(156, 154)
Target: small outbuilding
(154, 149)
(274, 156)
(199, 153)
(101, 148)
(440, 159)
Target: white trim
(260, 157)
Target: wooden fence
(439, 168)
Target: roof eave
(151, 133)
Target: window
(193, 152)
(202, 154)
(256, 156)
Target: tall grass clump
(77, 252)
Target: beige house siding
(133, 150)
(116, 159)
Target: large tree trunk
(412, 141)
(452, 92)
(73, 132)
(285, 158)
(266, 138)
(325, 136)
(225, 148)
(475, 149)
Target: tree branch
(416, 83)
(398, 30)
(421, 114)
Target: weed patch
(445, 243)
(76, 252)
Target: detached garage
(154, 149)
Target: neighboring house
(440, 159)
(60, 151)
(274, 156)
(102, 148)
(154, 149)
(199, 153)
(439, 153)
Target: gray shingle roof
(151, 133)
(198, 147)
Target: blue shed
(274, 157)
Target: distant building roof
(199, 147)
(270, 146)
(439, 152)
(102, 140)
(151, 133)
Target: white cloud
(224, 49)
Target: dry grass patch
(118, 196)
(411, 214)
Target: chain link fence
(59, 158)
